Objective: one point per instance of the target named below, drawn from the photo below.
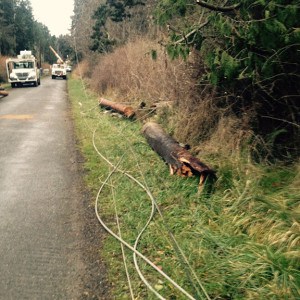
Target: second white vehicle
(59, 70)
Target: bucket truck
(60, 68)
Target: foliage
(17, 27)
(65, 46)
(169, 9)
(3, 75)
(110, 11)
(43, 39)
(251, 54)
(242, 240)
(7, 41)
(258, 42)
(101, 41)
(82, 26)
(24, 26)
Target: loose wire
(154, 205)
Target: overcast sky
(55, 14)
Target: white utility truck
(60, 68)
(23, 69)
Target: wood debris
(125, 110)
(179, 159)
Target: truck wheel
(53, 77)
(13, 85)
(65, 77)
(35, 83)
(39, 82)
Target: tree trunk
(121, 108)
(180, 161)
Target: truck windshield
(58, 66)
(24, 65)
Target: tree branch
(185, 36)
(217, 8)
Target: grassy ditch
(240, 242)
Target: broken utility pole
(180, 161)
(121, 108)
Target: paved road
(41, 233)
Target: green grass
(242, 240)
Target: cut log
(119, 107)
(3, 93)
(180, 161)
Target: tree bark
(180, 161)
(121, 108)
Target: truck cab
(23, 70)
(59, 70)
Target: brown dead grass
(84, 69)
(226, 139)
(134, 75)
(3, 76)
(131, 75)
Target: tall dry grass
(130, 74)
(3, 75)
(242, 240)
(84, 70)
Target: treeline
(100, 26)
(20, 31)
(248, 55)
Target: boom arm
(59, 59)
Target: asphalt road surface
(47, 250)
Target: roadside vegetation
(3, 76)
(224, 79)
(241, 241)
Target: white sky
(55, 14)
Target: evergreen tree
(65, 47)
(7, 34)
(24, 26)
(42, 40)
(251, 51)
(82, 25)
(110, 11)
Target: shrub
(3, 76)
(141, 71)
(251, 53)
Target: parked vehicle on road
(59, 70)
(23, 69)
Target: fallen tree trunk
(3, 93)
(180, 161)
(121, 108)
